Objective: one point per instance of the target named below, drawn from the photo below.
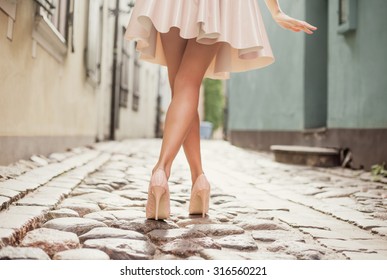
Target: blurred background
(68, 78)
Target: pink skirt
(237, 24)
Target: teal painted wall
(272, 98)
(327, 79)
(358, 69)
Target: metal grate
(46, 5)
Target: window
(124, 79)
(56, 12)
(347, 16)
(52, 18)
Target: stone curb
(28, 209)
(14, 189)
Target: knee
(184, 80)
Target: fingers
(310, 26)
(304, 26)
(295, 25)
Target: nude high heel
(157, 206)
(200, 196)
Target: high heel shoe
(157, 206)
(200, 196)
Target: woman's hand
(290, 23)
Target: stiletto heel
(200, 197)
(157, 193)
(157, 206)
(204, 196)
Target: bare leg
(182, 114)
(192, 149)
(174, 47)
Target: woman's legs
(187, 62)
(174, 47)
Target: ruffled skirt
(237, 24)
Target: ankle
(195, 175)
(162, 167)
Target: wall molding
(49, 38)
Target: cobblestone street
(88, 203)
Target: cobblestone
(81, 254)
(78, 226)
(18, 253)
(80, 206)
(118, 248)
(260, 224)
(217, 229)
(186, 248)
(214, 254)
(159, 235)
(50, 240)
(238, 242)
(275, 235)
(143, 225)
(89, 204)
(62, 213)
(105, 232)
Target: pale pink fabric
(236, 23)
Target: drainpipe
(113, 109)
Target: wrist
(276, 12)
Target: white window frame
(46, 34)
(9, 8)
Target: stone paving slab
(259, 209)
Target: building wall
(272, 98)
(140, 123)
(357, 69)
(49, 104)
(41, 99)
(327, 89)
